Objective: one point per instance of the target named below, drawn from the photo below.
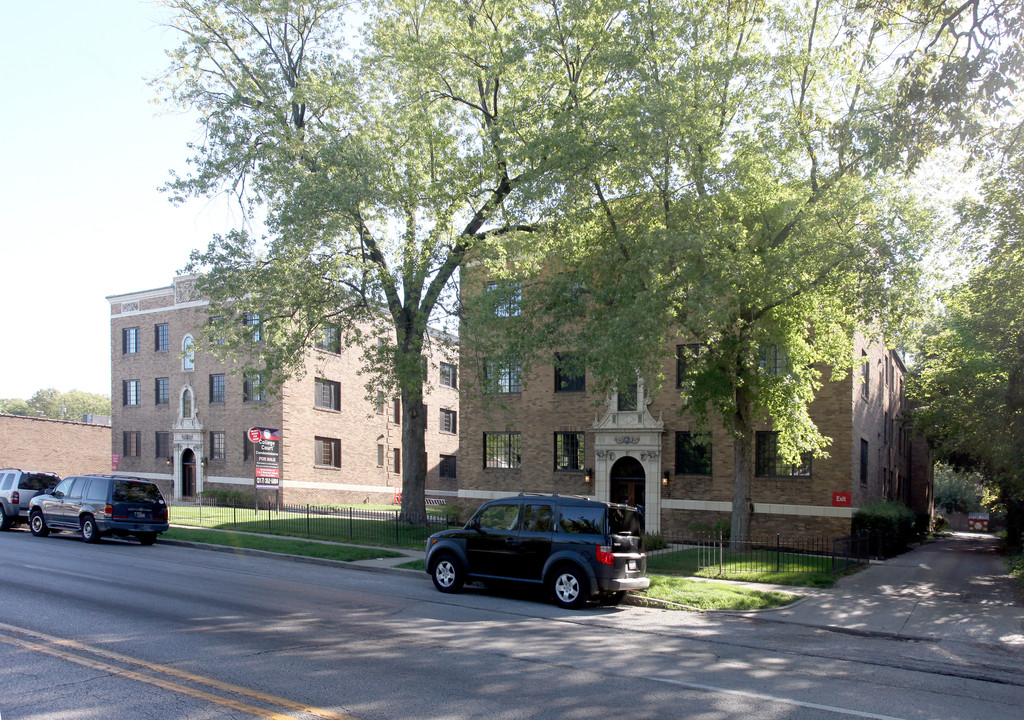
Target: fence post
(351, 530)
(308, 533)
(778, 552)
(721, 555)
(396, 527)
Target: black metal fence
(720, 555)
(315, 522)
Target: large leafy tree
(378, 162)
(56, 405)
(971, 377)
(751, 201)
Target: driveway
(953, 589)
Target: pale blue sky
(84, 152)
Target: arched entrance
(627, 482)
(188, 473)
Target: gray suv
(579, 548)
(98, 505)
(17, 487)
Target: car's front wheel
(567, 585)
(89, 531)
(37, 524)
(447, 573)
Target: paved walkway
(956, 588)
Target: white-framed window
(449, 421)
(449, 375)
(188, 353)
(131, 394)
(130, 341)
(328, 452)
(327, 394)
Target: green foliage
(957, 492)
(55, 405)
(750, 194)
(231, 498)
(892, 526)
(701, 595)
(721, 528)
(970, 379)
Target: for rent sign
(268, 456)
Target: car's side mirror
(57, 494)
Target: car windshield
(623, 521)
(127, 491)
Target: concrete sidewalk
(954, 589)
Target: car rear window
(582, 519)
(624, 521)
(35, 481)
(127, 491)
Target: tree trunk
(414, 460)
(743, 470)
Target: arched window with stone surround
(187, 404)
(188, 353)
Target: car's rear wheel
(146, 538)
(37, 524)
(89, 531)
(567, 585)
(5, 519)
(447, 573)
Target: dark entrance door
(188, 473)
(627, 482)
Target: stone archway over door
(627, 479)
(188, 473)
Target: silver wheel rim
(567, 587)
(88, 529)
(37, 522)
(445, 573)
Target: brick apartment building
(181, 417)
(542, 435)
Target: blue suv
(99, 505)
(580, 549)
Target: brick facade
(349, 424)
(58, 446)
(852, 412)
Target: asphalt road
(119, 631)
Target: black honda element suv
(580, 549)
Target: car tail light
(605, 556)
(108, 510)
(15, 497)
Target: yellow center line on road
(49, 649)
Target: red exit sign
(841, 499)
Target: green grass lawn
(794, 569)
(288, 546)
(683, 591)
(705, 595)
(384, 531)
